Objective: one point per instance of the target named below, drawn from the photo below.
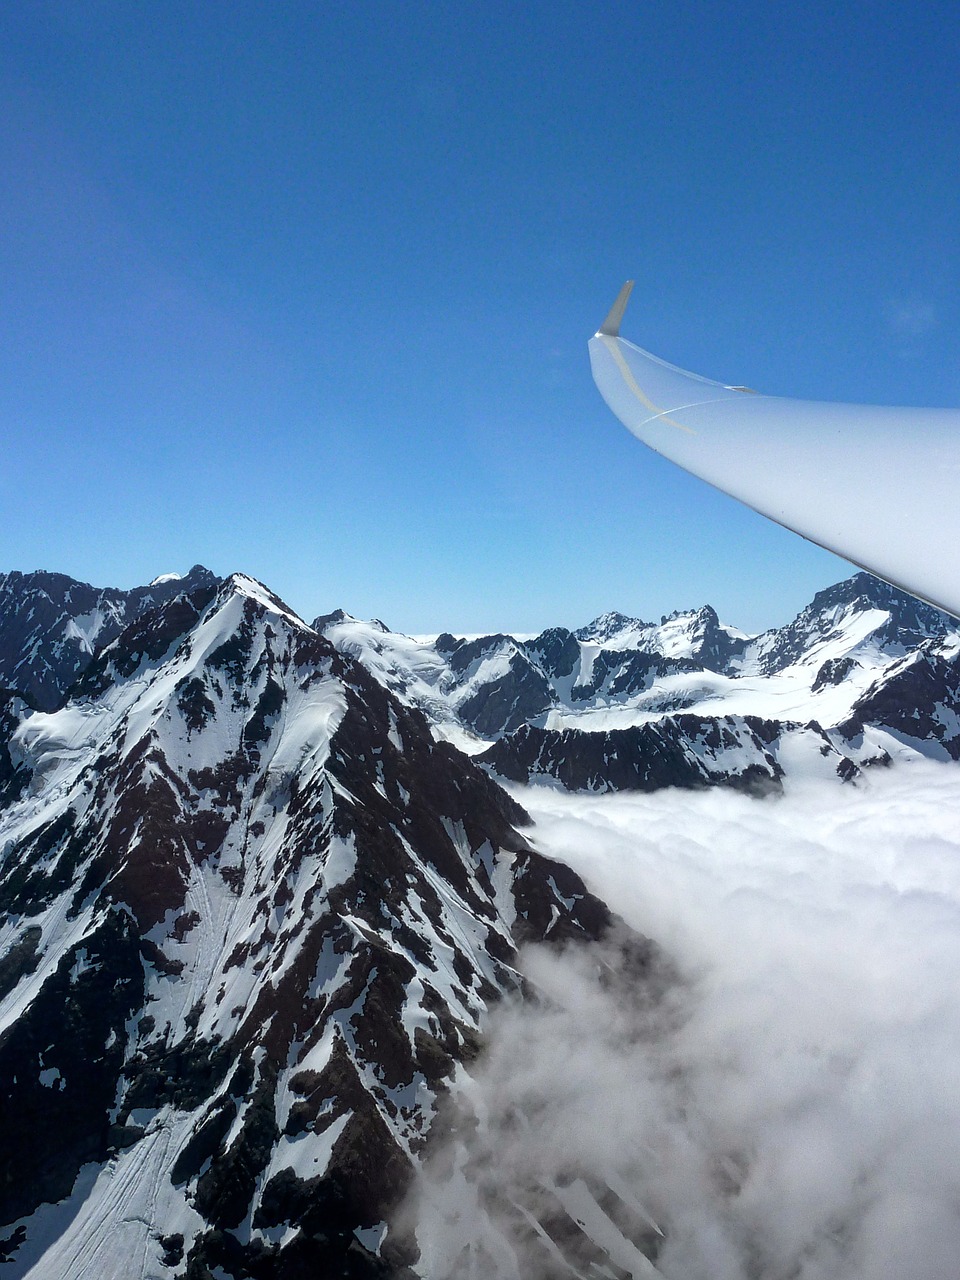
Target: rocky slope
(252, 918)
(742, 752)
(52, 625)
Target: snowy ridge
(252, 919)
(678, 635)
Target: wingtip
(611, 326)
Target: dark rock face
(55, 1071)
(13, 777)
(618, 673)
(507, 702)
(51, 626)
(918, 698)
(252, 917)
(834, 671)
(555, 651)
(713, 646)
(676, 751)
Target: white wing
(876, 485)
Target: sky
(303, 290)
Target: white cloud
(910, 317)
(791, 1111)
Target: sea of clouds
(790, 1109)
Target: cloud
(789, 1110)
(910, 317)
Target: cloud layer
(790, 1110)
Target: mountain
(698, 636)
(51, 625)
(863, 675)
(742, 752)
(253, 916)
(861, 618)
(491, 685)
(916, 698)
(257, 908)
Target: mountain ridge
(556, 707)
(615, 675)
(252, 917)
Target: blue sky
(304, 289)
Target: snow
(371, 1237)
(410, 668)
(420, 675)
(166, 577)
(678, 636)
(250, 587)
(463, 739)
(801, 757)
(784, 696)
(108, 1228)
(85, 628)
(582, 1207)
(308, 1154)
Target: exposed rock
(676, 751)
(51, 626)
(253, 906)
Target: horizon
(427, 636)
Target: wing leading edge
(874, 484)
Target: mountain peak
(864, 591)
(261, 914)
(706, 614)
(607, 626)
(332, 619)
(859, 611)
(243, 585)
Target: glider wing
(874, 484)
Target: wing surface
(876, 485)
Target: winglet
(611, 326)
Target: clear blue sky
(304, 289)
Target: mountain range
(261, 887)
(863, 675)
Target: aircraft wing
(876, 485)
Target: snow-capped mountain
(51, 625)
(621, 703)
(698, 636)
(256, 907)
(491, 685)
(252, 917)
(861, 618)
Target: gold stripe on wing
(627, 374)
